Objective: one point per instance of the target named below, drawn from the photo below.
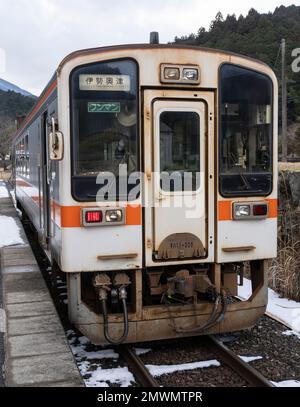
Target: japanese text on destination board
(94, 82)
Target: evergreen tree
(259, 36)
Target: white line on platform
(2, 321)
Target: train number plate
(179, 246)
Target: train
(149, 172)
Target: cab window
(245, 132)
(104, 124)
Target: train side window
(245, 132)
(17, 157)
(20, 157)
(26, 157)
(23, 156)
(179, 150)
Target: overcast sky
(37, 34)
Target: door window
(179, 151)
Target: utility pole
(284, 106)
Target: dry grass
(284, 274)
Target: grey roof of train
(154, 46)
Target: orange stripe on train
(70, 216)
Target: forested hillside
(11, 105)
(259, 36)
(256, 35)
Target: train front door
(177, 126)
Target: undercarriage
(161, 303)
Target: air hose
(215, 317)
(122, 294)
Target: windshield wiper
(245, 181)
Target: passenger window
(23, 156)
(26, 157)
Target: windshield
(104, 124)
(245, 132)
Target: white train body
(132, 105)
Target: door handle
(160, 197)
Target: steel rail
(138, 368)
(252, 376)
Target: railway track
(234, 362)
(252, 376)
(137, 367)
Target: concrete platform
(36, 349)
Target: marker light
(172, 73)
(241, 211)
(190, 74)
(114, 215)
(102, 217)
(260, 210)
(93, 216)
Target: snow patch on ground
(290, 333)
(13, 196)
(71, 341)
(103, 354)
(101, 377)
(80, 352)
(88, 364)
(288, 311)
(3, 192)
(83, 367)
(142, 351)
(249, 359)
(95, 375)
(287, 383)
(158, 370)
(83, 340)
(9, 232)
(2, 321)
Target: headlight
(241, 211)
(190, 74)
(172, 73)
(187, 74)
(114, 215)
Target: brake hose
(105, 319)
(213, 319)
(206, 324)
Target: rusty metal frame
(157, 322)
